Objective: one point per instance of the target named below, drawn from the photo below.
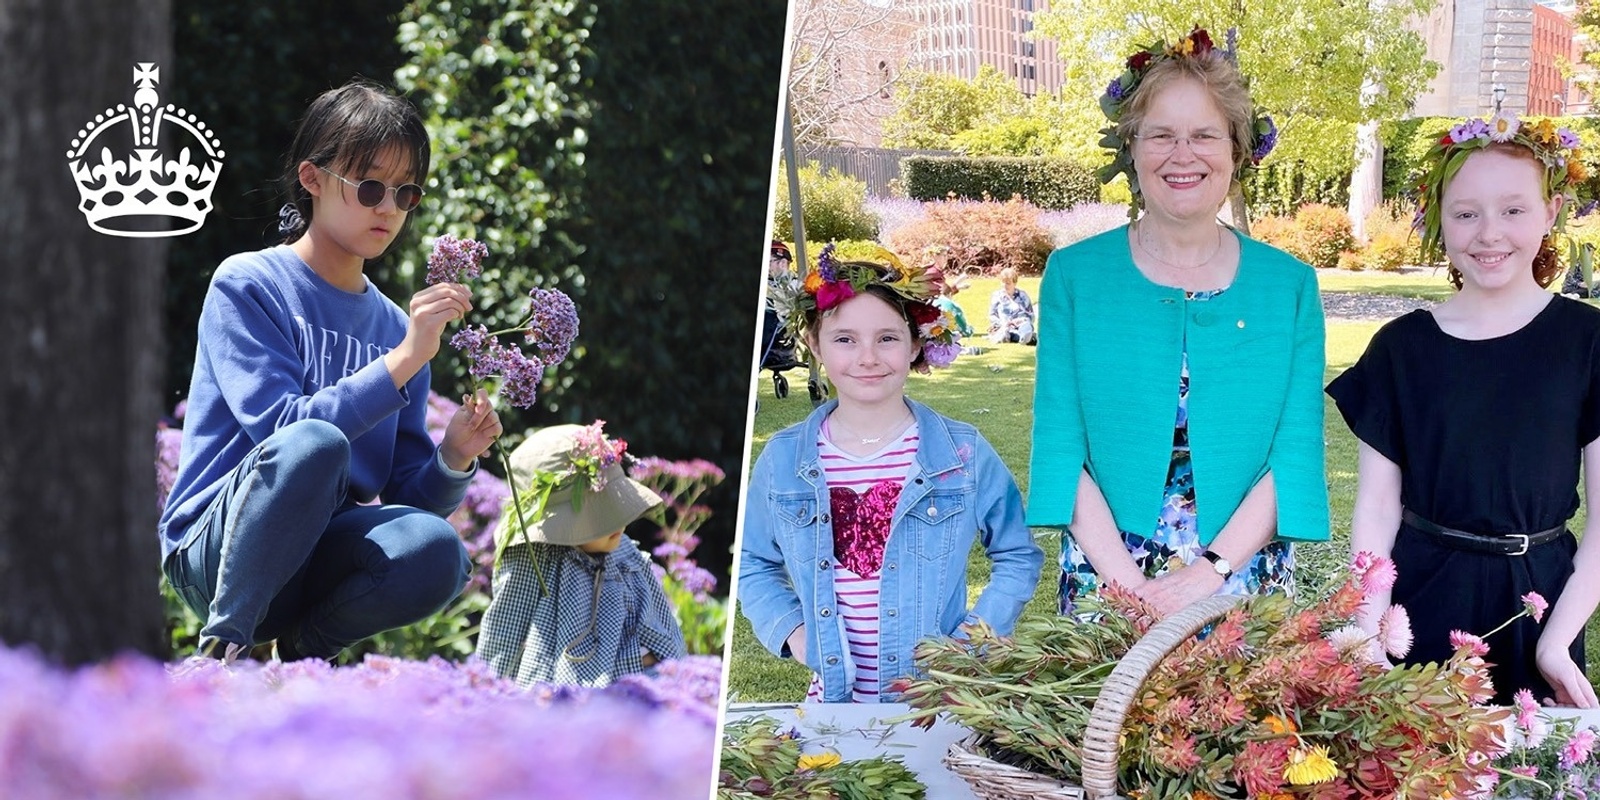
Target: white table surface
(857, 730)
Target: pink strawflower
(1525, 771)
(1535, 605)
(1394, 631)
(1474, 645)
(1379, 578)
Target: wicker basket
(991, 780)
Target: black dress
(1488, 436)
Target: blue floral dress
(1176, 541)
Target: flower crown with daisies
(1557, 149)
(832, 281)
(1197, 45)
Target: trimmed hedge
(1054, 183)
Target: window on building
(883, 75)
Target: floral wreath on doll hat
(1198, 44)
(1558, 149)
(832, 281)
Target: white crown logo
(148, 196)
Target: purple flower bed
(1082, 221)
(894, 213)
(388, 728)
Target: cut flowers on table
(1278, 698)
(760, 760)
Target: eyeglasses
(371, 191)
(1201, 144)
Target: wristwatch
(1219, 564)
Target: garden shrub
(1391, 243)
(835, 206)
(1044, 182)
(977, 235)
(1117, 192)
(1319, 234)
(1352, 260)
(1274, 229)
(1286, 185)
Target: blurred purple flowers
(551, 325)
(399, 730)
(702, 617)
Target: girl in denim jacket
(859, 519)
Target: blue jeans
(282, 552)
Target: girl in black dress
(1473, 419)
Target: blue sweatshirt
(279, 344)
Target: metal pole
(814, 384)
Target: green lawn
(994, 391)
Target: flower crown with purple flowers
(1558, 149)
(833, 281)
(1197, 45)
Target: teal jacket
(1110, 350)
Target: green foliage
(1283, 186)
(451, 634)
(249, 71)
(932, 108)
(1054, 183)
(500, 85)
(1405, 144)
(677, 173)
(985, 236)
(1014, 136)
(835, 206)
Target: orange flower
(813, 282)
(1576, 171)
(1279, 725)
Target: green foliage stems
(1053, 183)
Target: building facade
(1516, 45)
(958, 37)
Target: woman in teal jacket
(1178, 437)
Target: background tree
(932, 108)
(80, 322)
(848, 55)
(1304, 65)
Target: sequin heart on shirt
(861, 525)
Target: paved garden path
(1349, 305)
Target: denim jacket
(958, 488)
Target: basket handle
(1101, 738)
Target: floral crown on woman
(1558, 149)
(832, 281)
(1197, 45)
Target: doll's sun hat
(572, 487)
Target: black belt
(1510, 544)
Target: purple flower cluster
(1471, 129)
(552, 323)
(680, 484)
(941, 354)
(1568, 139)
(552, 326)
(455, 260)
(519, 372)
(1266, 138)
(388, 728)
(1115, 90)
(825, 264)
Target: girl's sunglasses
(370, 192)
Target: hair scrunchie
(289, 220)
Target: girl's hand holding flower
(432, 309)
(472, 430)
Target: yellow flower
(1310, 766)
(1576, 172)
(819, 760)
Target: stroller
(780, 356)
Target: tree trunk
(80, 339)
(1366, 182)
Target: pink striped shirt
(855, 595)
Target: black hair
(346, 130)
